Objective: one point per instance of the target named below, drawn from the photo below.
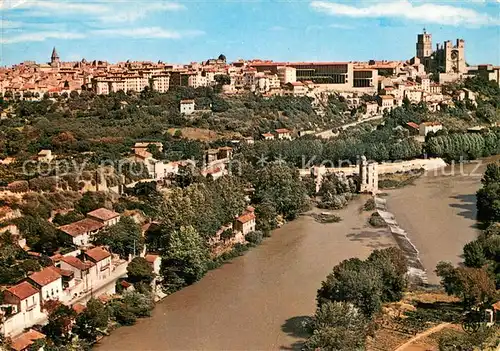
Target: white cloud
(40, 36)
(424, 12)
(277, 28)
(4, 24)
(340, 26)
(146, 33)
(110, 11)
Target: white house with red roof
(81, 232)
(104, 216)
(49, 282)
(268, 136)
(187, 107)
(154, 261)
(85, 274)
(102, 259)
(283, 134)
(246, 222)
(21, 308)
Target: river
(439, 212)
(256, 302)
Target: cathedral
(447, 59)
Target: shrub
(376, 220)
(369, 205)
(254, 237)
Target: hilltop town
(122, 183)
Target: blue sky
(194, 30)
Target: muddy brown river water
(256, 301)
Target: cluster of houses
(215, 161)
(88, 271)
(72, 278)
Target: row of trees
(464, 145)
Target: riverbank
(255, 301)
(438, 212)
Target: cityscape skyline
(185, 31)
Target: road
(329, 133)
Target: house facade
(102, 260)
(246, 222)
(81, 232)
(49, 282)
(21, 308)
(104, 216)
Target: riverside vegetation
(351, 299)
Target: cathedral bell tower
(54, 58)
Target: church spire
(54, 54)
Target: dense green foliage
(464, 146)
(336, 191)
(488, 197)
(474, 286)
(185, 259)
(92, 322)
(337, 326)
(124, 238)
(281, 186)
(140, 271)
(367, 284)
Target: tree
(139, 270)
(355, 282)
(124, 238)
(60, 322)
(281, 186)
(474, 286)
(90, 201)
(474, 255)
(139, 304)
(184, 260)
(393, 266)
(491, 174)
(92, 321)
(337, 326)
(488, 202)
(222, 79)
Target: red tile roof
(78, 308)
(97, 254)
(103, 214)
(23, 290)
(282, 131)
(413, 125)
(246, 217)
(45, 276)
(81, 227)
(143, 153)
(63, 272)
(23, 341)
(151, 258)
(77, 263)
(267, 135)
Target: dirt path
(422, 335)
